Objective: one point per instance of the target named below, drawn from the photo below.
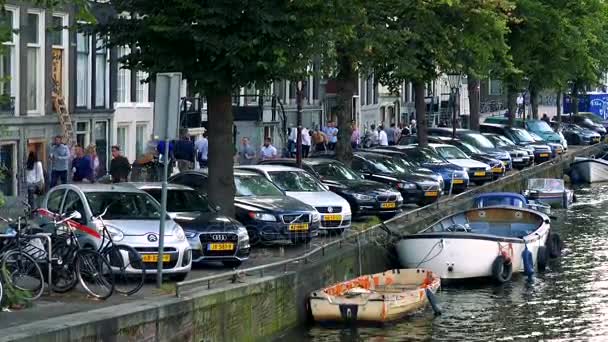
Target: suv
(520, 137)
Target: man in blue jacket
(82, 166)
(60, 161)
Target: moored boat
(482, 242)
(375, 298)
(511, 199)
(588, 170)
(551, 191)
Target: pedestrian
(546, 119)
(355, 137)
(92, 153)
(246, 153)
(60, 161)
(332, 135)
(34, 176)
(390, 134)
(318, 138)
(305, 142)
(119, 166)
(162, 158)
(413, 128)
(202, 151)
(183, 151)
(292, 134)
(374, 136)
(382, 137)
(82, 167)
(268, 151)
(397, 133)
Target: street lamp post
(454, 83)
(299, 119)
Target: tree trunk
(574, 99)
(421, 126)
(221, 149)
(346, 81)
(511, 104)
(558, 109)
(474, 101)
(534, 101)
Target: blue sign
(596, 103)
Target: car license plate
(505, 163)
(432, 193)
(458, 181)
(388, 205)
(332, 218)
(544, 155)
(298, 226)
(496, 170)
(154, 257)
(479, 174)
(227, 246)
(596, 139)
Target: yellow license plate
(332, 218)
(479, 173)
(298, 226)
(154, 257)
(544, 155)
(497, 170)
(388, 205)
(431, 193)
(458, 181)
(227, 246)
(596, 139)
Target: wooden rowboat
(380, 297)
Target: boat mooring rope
(440, 242)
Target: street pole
(453, 95)
(163, 213)
(299, 119)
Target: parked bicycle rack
(36, 255)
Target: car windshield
(539, 126)
(592, 117)
(536, 137)
(387, 165)
(497, 141)
(588, 122)
(183, 201)
(451, 152)
(297, 181)
(466, 147)
(335, 171)
(255, 185)
(505, 140)
(422, 155)
(123, 205)
(521, 135)
(478, 140)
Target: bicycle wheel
(94, 273)
(63, 267)
(125, 262)
(23, 273)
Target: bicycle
(126, 262)
(75, 264)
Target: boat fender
(554, 245)
(433, 301)
(528, 261)
(502, 269)
(541, 258)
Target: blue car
(427, 158)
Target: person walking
(390, 134)
(355, 137)
(268, 151)
(34, 176)
(318, 139)
(332, 134)
(374, 136)
(246, 152)
(397, 133)
(119, 166)
(60, 161)
(382, 137)
(82, 166)
(546, 119)
(92, 153)
(184, 152)
(202, 151)
(306, 142)
(292, 136)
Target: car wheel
(232, 263)
(386, 216)
(178, 277)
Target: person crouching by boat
(34, 175)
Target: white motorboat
(482, 242)
(551, 191)
(589, 170)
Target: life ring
(541, 258)
(554, 245)
(502, 269)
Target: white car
(478, 172)
(335, 211)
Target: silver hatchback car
(132, 218)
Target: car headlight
(488, 169)
(242, 233)
(115, 233)
(178, 232)
(399, 197)
(361, 197)
(316, 217)
(189, 234)
(262, 217)
(406, 186)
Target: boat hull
(589, 171)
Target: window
(57, 31)
(123, 86)
(268, 131)
(121, 137)
(255, 186)
(82, 70)
(369, 87)
(31, 34)
(82, 133)
(141, 88)
(298, 181)
(100, 72)
(495, 87)
(7, 61)
(54, 202)
(140, 136)
(124, 205)
(182, 201)
(74, 203)
(101, 143)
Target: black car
(520, 137)
(212, 236)
(414, 188)
(577, 135)
(477, 140)
(366, 197)
(589, 121)
(522, 157)
(262, 208)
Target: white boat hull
(589, 170)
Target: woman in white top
(34, 176)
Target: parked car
(479, 173)
(539, 127)
(589, 121)
(521, 156)
(132, 218)
(212, 236)
(366, 197)
(335, 211)
(477, 140)
(427, 158)
(556, 148)
(264, 210)
(576, 135)
(520, 137)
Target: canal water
(567, 302)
